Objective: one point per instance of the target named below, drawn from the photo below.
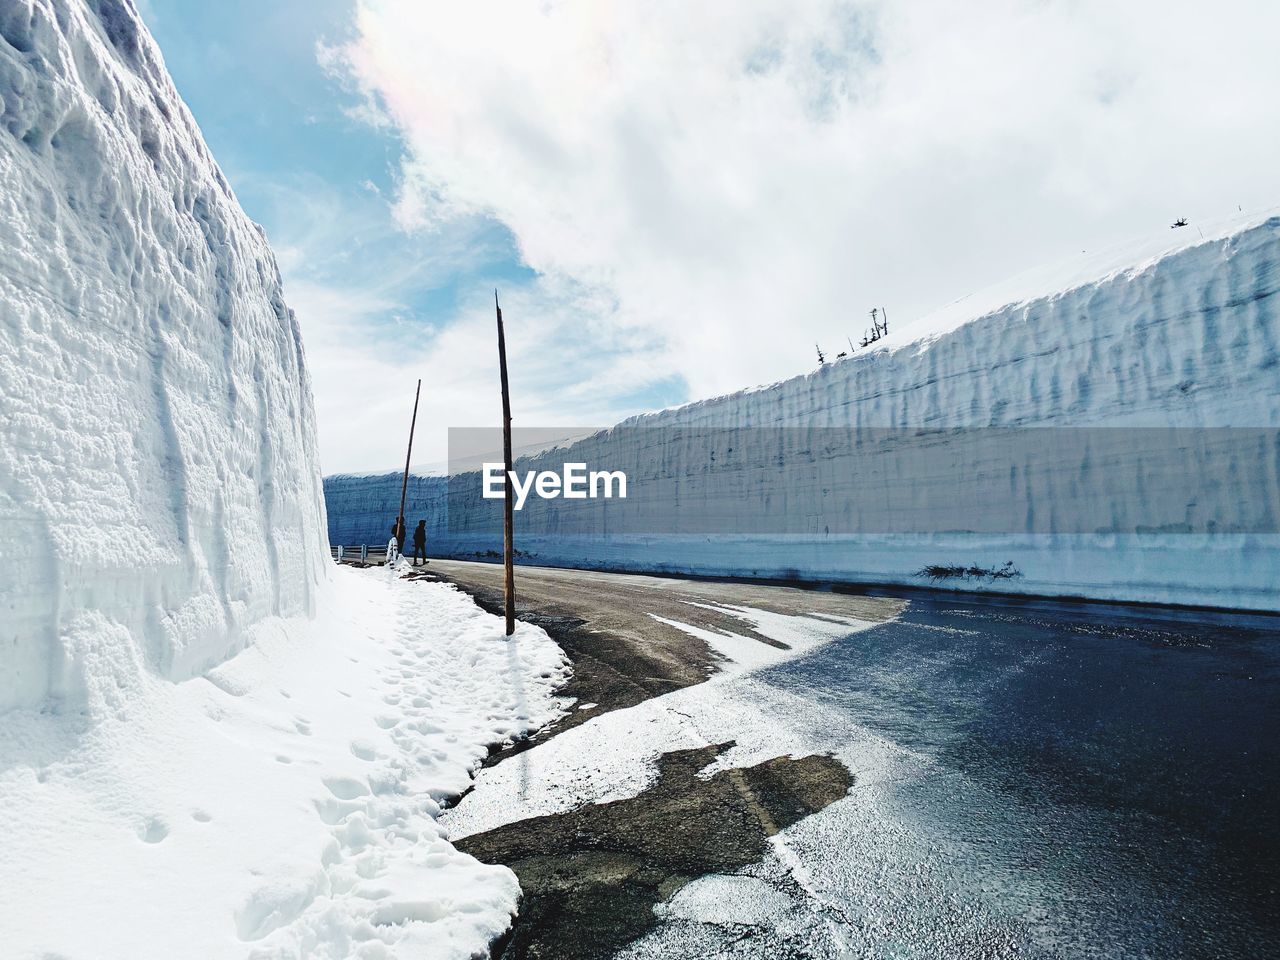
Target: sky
(679, 200)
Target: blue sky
(281, 127)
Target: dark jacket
(420, 535)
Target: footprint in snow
(153, 830)
(346, 788)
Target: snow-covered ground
(213, 743)
(1180, 331)
(159, 478)
(284, 805)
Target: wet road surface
(1047, 780)
(1105, 778)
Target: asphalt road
(1102, 779)
(1072, 780)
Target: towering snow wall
(1050, 423)
(362, 509)
(159, 481)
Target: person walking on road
(420, 542)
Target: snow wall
(160, 489)
(1183, 339)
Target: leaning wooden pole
(404, 486)
(508, 515)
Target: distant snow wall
(160, 489)
(1188, 340)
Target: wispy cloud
(381, 308)
(705, 189)
(367, 373)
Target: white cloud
(359, 285)
(719, 184)
(365, 382)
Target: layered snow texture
(285, 804)
(362, 509)
(1181, 332)
(159, 482)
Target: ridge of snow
(1043, 283)
(1181, 335)
(159, 479)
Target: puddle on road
(592, 876)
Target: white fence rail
(362, 553)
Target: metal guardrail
(361, 553)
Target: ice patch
(727, 900)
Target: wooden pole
(508, 515)
(404, 486)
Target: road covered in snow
(286, 803)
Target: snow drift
(159, 482)
(286, 804)
(1176, 337)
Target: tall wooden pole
(508, 516)
(404, 486)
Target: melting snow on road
(285, 804)
(837, 883)
(614, 756)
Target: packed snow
(1179, 332)
(284, 805)
(159, 480)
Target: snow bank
(1178, 332)
(284, 805)
(361, 509)
(159, 481)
